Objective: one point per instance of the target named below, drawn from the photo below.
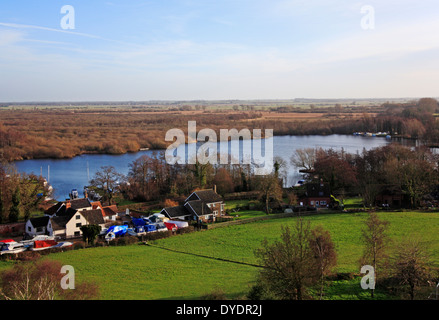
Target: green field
(145, 272)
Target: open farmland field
(145, 272)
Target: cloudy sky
(218, 49)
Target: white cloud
(24, 26)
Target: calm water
(67, 174)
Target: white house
(70, 226)
(39, 226)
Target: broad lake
(67, 174)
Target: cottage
(212, 199)
(317, 195)
(201, 205)
(69, 226)
(59, 225)
(68, 207)
(110, 213)
(177, 212)
(391, 196)
(39, 226)
(83, 217)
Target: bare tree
(41, 280)
(270, 188)
(304, 158)
(289, 264)
(375, 239)
(324, 253)
(412, 265)
(32, 281)
(106, 181)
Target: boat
(114, 231)
(7, 240)
(171, 226)
(29, 243)
(179, 224)
(11, 247)
(48, 244)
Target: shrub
(185, 230)
(28, 256)
(79, 245)
(157, 235)
(216, 294)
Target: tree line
(151, 178)
(391, 169)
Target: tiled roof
(80, 203)
(93, 216)
(109, 211)
(59, 223)
(178, 211)
(39, 222)
(199, 207)
(69, 212)
(60, 206)
(207, 195)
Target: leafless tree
(289, 264)
(304, 158)
(413, 266)
(324, 253)
(376, 240)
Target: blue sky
(228, 49)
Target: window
(29, 229)
(323, 203)
(78, 216)
(312, 203)
(77, 233)
(215, 213)
(78, 225)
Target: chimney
(214, 188)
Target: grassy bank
(144, 272)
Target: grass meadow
(147, 272)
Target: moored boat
(11, 247)
(29, 243)
(47, 244)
